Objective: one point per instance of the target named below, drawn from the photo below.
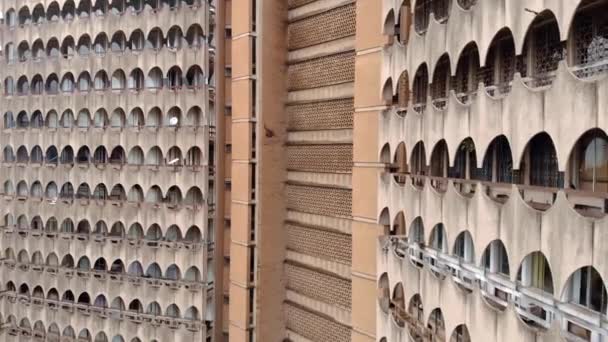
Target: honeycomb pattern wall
(333, 114)
(322, 243)
(320, 158)
(322, 286)
(333, 24)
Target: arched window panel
(68, 47)
(83, 192)
(37, 191)
(23, 86)
(10, 53)
(118, 44)
(101, 81)
(23, 51)
(84, 46)
(195, 78)
(420, 89)
(37, 87)
(68, 12)
(174, 197)
(67, 83)
(195, 37)
(136, 232)
(441, 83)
(9, 86)
(136, 118)
(100, 156)
(175, 78)
(83, 11)
(136, 41)
(100, 119)
(154, 81)
(52, 85)
(117, 156)
(38, 51)
(118, 80)
(500, 64)
(51, 192)
(100, 45)
(22, 120)
(136, 80)
(84, 119)
(175, 38)
(466, 81)
(52, 48)
(587, 39)
(11, 18)
(100, 8)
(136, 156)
(136, 194)
(155, 40)
(154, 195)
(100, 193)
(117, 7)
(25, 17)
(542, 52)
(118, 118)
(135, 6)
(153, 119)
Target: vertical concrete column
(271, 140)
(366, 168)
(243, 125)
(220, 123)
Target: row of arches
(87, 8)
(84, 228)
(54, 333)
(586, 170)
(174, 39)
(414, 317)
(542, 53)
(154, 157)
(156, 80)
(84, 265)
(534, 271)
(155, 118)
(67, 193)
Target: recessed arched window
(539, 165)
(175, 38)
(195, 78)
(84, 46)
(52, 48)
(500, 64)
(136, 80)
(154, 80)
(68, 47)
(195, 37)
(588, 163)
(52, 84)
(25, 17)
(100, 45)
(119, 42)
(175, 78)
(52, 12)
(69, 11)
(587, 39)
(495, 260)
(38, 50)
(466, 81)
(441, 82)
(83, 11)
(118, 80)
(136, 41)
(420, 89)
(542, 51)
(421, 15)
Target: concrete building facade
(108, 170)
(424, 170)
